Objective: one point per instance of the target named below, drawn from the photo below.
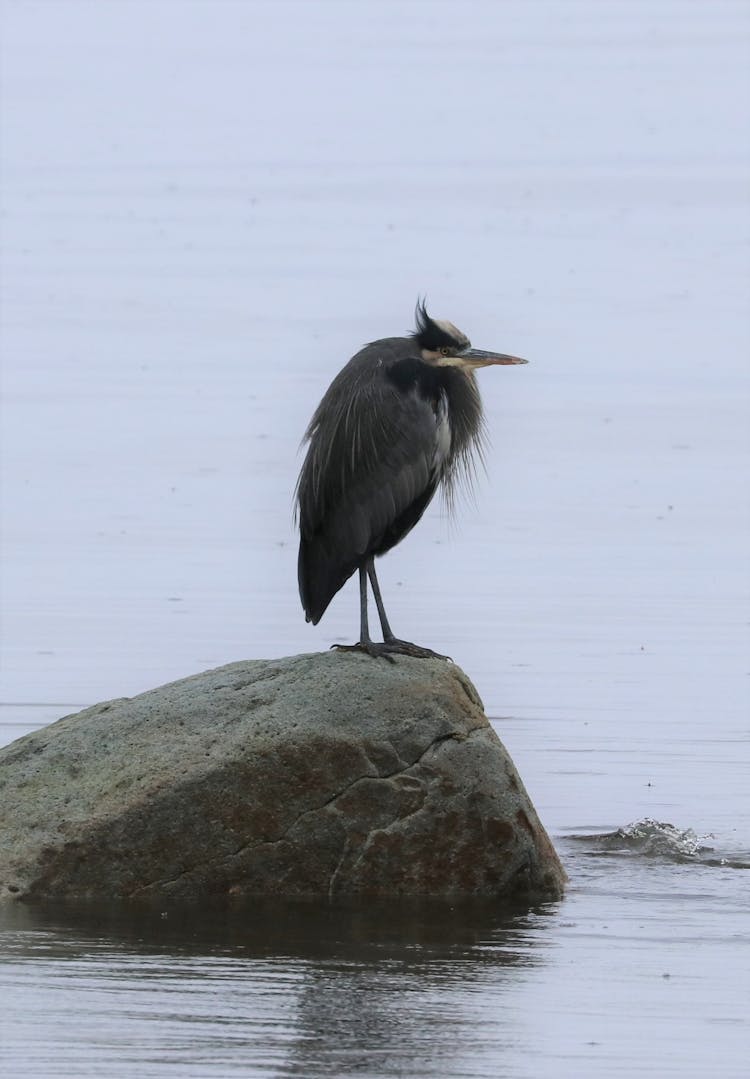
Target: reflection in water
(302, 987)
(411, 931)
(408, 988)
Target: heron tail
(321, 574)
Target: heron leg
(364, 629)
(384, 625)
(390, 642)
(365, 643)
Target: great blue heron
(401, 418)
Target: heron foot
(406, 648)
(370, 648)
(387, 649)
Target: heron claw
(370, 648)
(387, 649)
(406, 648)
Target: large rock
(318, 774)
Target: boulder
(324, 774)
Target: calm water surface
(206, 208)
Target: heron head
(443, 345)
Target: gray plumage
(401, 419)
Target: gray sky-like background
(208, 207)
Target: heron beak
(477, 357)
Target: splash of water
(652, 839)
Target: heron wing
(375, 458)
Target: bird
(401, 419)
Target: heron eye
(445, 350)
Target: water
(639, 971)
(206, 208)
